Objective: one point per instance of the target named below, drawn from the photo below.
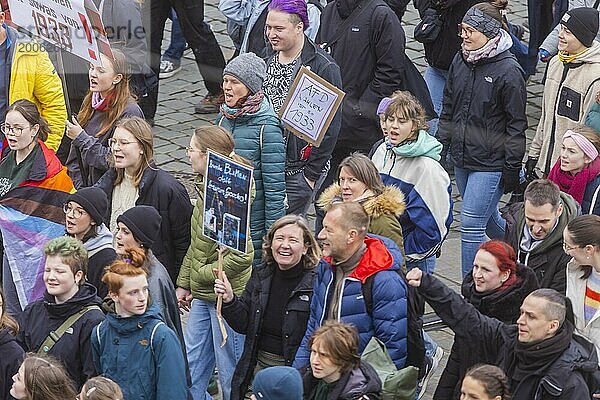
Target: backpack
(415, 308)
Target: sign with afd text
(227, 202)
(310, 106)
(71, 25)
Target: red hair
(505, 256)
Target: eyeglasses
(14, 130)
(193, 150)
(112, 142)
(466, 31)
(77, 212)
(567, 248)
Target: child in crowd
(100, 388)
(485, 382)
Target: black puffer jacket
(73, 349)
(371, 57)
(162, 191)
(245, 315)
(12, 356)
(361, 383)
(483, 118)
(503, 305)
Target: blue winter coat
(146, 362)
(389, 317)
(259, 138)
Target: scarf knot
(574, 185)
(250, 106)
(102, 104)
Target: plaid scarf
(250, 106)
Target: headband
(482, 22)
(585, 145)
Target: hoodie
(360, 383)
(73, 349)
(12, 356)
(101, 254)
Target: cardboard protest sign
(310, 106)
(227, 202)
(72, 25)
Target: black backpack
(415, 309)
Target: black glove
(510, 180)
(530, 174)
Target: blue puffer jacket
(259, 138)
(389, 321)
(146, 362)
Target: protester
(577, 172)
(570, 87)
(138, 229)
(482, 125)
(336, 368)
(100, 388)
(305, 165)
(350, 258)
(42, 378)
(496, 288)
(485, 382)
(250, 118)
(273, 309)
(69, 298)
(134, 179)
(12, 353)
(30, 75)
(359, 180)
(133, 346)
(170, 61)
(84, 215)
(534, 230)
(540, 354)
(277, 383)
(582, 242)
(195, 283)
(409, 159)
(33, 185)
(107, 101)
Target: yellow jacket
(33, 77)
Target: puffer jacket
(12, 357)
(361, 383)
(389, 320)
(483, 120)
(576, 289)
(245, 314)
(196, 273)
(548, 260)
(384, 210)
(503, 305)
(73, 349)
(427, 192)
(142, 355)
(591, 198)
(259, 138)
(101, 254)
(569, 92)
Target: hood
(6, 337)
(264, 116)
(592, 56)
(361, 381)
(425, 145)
(377, 258)
(130, 325)
(103, 240)
(86, 296)
(391, 201)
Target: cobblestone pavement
(175, 123)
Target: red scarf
(103, 104)
(250, 106)
(575, 184)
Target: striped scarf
(250, 106)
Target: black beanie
(93, 200)
(143, 222)
(583, 24)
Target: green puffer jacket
(196, 272)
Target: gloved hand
(544, 55)
(510, 180)
(530, 173)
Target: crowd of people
(111, 290)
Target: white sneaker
(430, 366)
(168, 69)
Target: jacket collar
(45, 164)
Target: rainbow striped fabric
(592, 296)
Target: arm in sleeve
(272, 160)
(445, 122)
(233, 263)
(314, 21)
(93, 152)
(237, 311)
(72, 165)
(302, 358)
(85, 345)
(171, 383)
(96, 349)
(180, 216)
(515, 101)
(237, 10)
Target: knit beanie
(93, 200)
(249, 69)
(278, 383)
(143, 222)
(583, 24)
(482, 22)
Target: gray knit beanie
(249, 69)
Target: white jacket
(576, 293)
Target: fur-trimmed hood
(391, 201)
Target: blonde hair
(218, 140)
(313, 253)
(142, 132)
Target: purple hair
(297, 7)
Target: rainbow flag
(30, 215)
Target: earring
(141, 152)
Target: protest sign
(227, 202)
(71, 25)
(310, 106)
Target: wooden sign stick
(220, 297)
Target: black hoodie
(73, 349)
(12, 356)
